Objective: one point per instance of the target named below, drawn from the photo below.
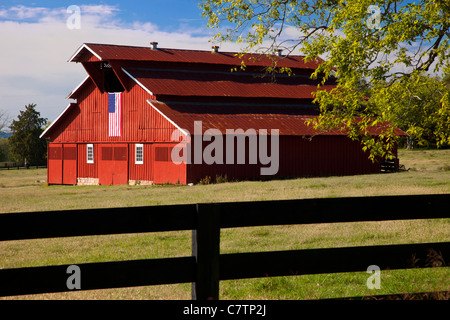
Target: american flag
(115, 114)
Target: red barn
(147, 115)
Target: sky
(37, 38)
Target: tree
(415, 105)
(24, 141)
(4, 119)
(369, 40)
(4, 150)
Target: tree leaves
(24, 141)
(411, 37)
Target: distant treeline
(5, 152)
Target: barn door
(113, 168)
(120, 156)
(55, 165)
(69, 175)
(165, 170)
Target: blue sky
(165, 13)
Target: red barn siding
(62, 164)
(67, 130)
(141, 172)
(298, 156)
(88, 122)
(54, 164)
(87, 170)
(113, 164)
(165, 171)
(69, 164)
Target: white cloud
(21, 12)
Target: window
(90, 153)
(139, 154)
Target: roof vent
(154, 45)
(215, 49)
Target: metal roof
(223, 84)
(132, 53)
(288, 120)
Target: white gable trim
(167, 118)
(84, 46)
(150, 102)
(56, 120)
(78, 87)
(135, 80)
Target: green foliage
(25, 142)
(5, 154)
(419, 105)
(410, 38)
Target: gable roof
(288, 120)
(192, 83)
(105, 52)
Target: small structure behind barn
(146, 115)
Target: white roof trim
(167, 118)
(150, 102)
(78, 87)
(84, 46)
(56, 120)
(135, 80)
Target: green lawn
(26, 190)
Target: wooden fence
(207, 266)
(20, 165)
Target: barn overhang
(286, 120)
(85, 54)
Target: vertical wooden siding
(87, 170)
(88, 123)
(69, 163)
(141, 172)
(298, 156)
(54, 164)
(165, 170)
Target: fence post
(206, 250)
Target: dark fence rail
(20, 165)
(206, 267)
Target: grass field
(26, 190)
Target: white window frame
(89, 146)
(137, 146)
